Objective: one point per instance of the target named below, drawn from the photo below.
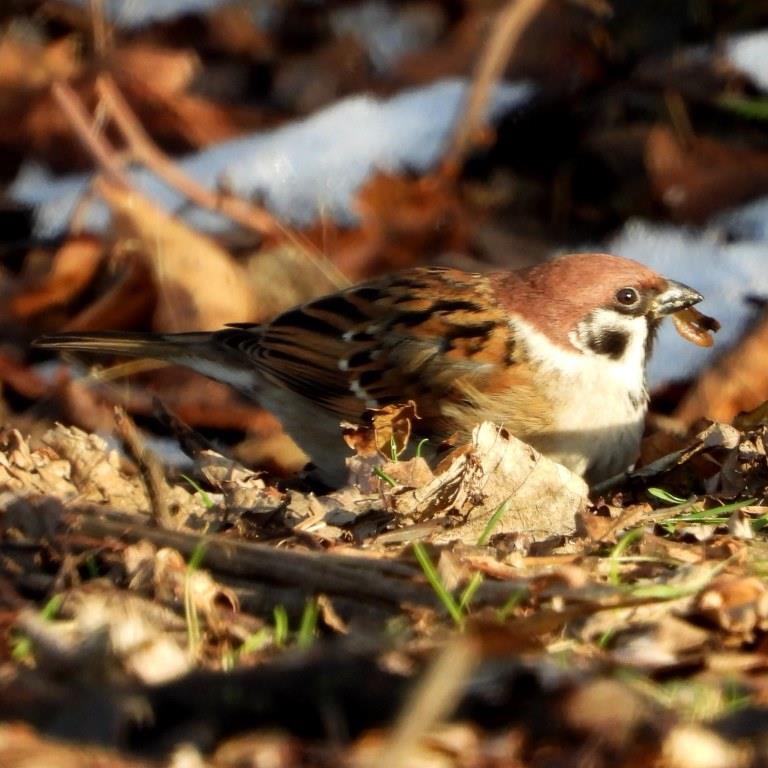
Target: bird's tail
(161, 346)
(197, 351)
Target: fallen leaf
(607, 709)
(72, 269)
(199, 286)
(736, 604)
(703, 176)
(693, 746)
(176, 583)
(497, 473)
(168, 71)
(385, 431)
(404, 221)
(124, 303)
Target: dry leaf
(166, 71)
(28, 66)
(175, 582)
(385, 431)
(125, 303)
(606, 709)
(704, 177)
(23, 747)
(199, 285)
(496, 471)
(73, 267)
(244, 490)
(95, 469)
(404, 222)
(692, 746)
(737, 604)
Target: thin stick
(143, 149)
(92, 141)
(100, 28)
(508, 28)
(241, 212)
(354, 577)
(436, 697)
(149, 465)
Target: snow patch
(749, 54)
(309, 168)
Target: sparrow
(555, 353)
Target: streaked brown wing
(426, 334)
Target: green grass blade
(280, 616)
(204, 497)
(629, 538)
(665, 496)
(469, 591)
(432, 576)
(493, 521)
(308, 625)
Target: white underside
(318, 434)
(600, 403)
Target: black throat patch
(609, 342)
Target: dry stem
(149, 465)
(508, 28)
(93, 142)
(142, 148)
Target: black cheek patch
(610, 343)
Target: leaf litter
(148, 606)
(456, 604)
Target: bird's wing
(432, 335)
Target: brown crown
(556, 295)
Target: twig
(327, 573)
(508, 27)
(143, 149)
(100, 29)
(149, 466)
(93, 142)
(436, 697)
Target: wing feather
(433, 335)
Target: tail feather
(197, 351)
(163, 346)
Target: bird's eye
(627, 296)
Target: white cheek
(635, 328)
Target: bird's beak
(673, 298)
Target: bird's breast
(598, 407)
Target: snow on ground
(311, 167)
(388, 32)
(749, 54)
(134, 14)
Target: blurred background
(179, 164)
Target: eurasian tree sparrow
(556, 353)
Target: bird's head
(598, 304)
